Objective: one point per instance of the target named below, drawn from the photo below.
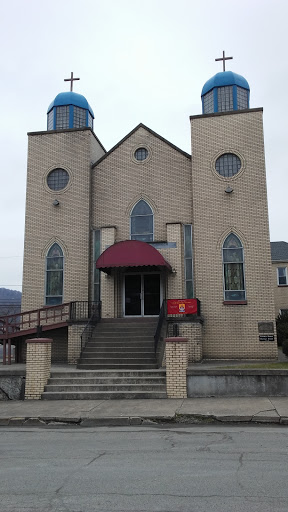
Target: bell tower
(58, 202)
(232, 260)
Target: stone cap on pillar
(177, 339)
(39, 340)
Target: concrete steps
(118, 362)
(117, 366)
(106, 385)
(120, 343)
(109, 395)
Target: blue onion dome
(224, 92)
(69, 110)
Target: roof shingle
(279, 251)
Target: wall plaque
(265, 327)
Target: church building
(146, 222)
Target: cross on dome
(224, 58)
(71, 80)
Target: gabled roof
(279, 251)
(141, 125)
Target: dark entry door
(133, 303)
(151, 286)
(142, 294)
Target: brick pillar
(38, 366)
(176, 367)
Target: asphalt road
(144, 469)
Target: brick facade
(231, 331)
(69, 223)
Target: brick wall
(193, 332)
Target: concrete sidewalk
(90, 413)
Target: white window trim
(278, 268)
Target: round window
(141, 154)
(57, 179)
(228, 165)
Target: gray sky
(138, 62)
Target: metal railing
(161, 319)
(84, 310)
(90, 326)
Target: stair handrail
(161, 318)
(89, 327)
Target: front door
(142, 294)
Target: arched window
(142, 222)
(233, 267)
(54, 276)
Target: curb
(121, 421)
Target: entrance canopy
(131, 253)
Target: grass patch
(263, 366)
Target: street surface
(144, 469)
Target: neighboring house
(202, 220)
(279, 255)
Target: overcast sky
(138, 62)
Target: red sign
(182, 306)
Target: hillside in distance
(10, 301)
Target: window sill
(234, 302)
(282, 285)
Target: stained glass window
(54, 275)
(188, 261)
(97, 251)
(142, 222)
(233, 263)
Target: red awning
(131, 253)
